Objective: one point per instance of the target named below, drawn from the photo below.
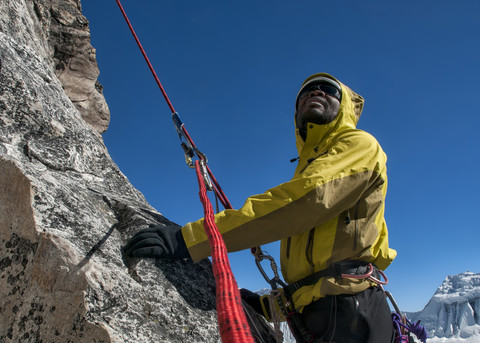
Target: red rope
(232, 321)
(146, 57)
(219, 191)
(231, 317)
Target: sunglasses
(324, 87)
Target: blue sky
(232, 71)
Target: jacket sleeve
(323, 187)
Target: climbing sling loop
(403, 327)
(231, 317)
(234, 326)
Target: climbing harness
(232, 321)
(345, 269)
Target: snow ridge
(454, 310)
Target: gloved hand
(158, 242)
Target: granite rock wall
(65, 207)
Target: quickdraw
(286, 306)
(275, 293)
(275, 280)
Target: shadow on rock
(193, 281)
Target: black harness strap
(335, 270)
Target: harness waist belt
(335, 270)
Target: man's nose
(316, 91)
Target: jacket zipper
(289, 240)
(356, 233)
(309, 248)
(310, 160)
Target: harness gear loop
(377, 280)
(343, 269)
(369, 275)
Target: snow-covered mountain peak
(459, 287)
(454, 310)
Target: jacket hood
(349, 112)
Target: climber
(329, 218)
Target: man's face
(318, 103)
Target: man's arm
(326, 186)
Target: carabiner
(369, 275)
(187, 144)
(206, 177)
(275, 281)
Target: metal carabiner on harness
(276, 278)
(273, 282)
(369, 275)
(259, 257)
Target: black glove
(158, 242)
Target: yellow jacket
(331, 210)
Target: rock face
(65, 208)
(58, 32)
(454, 310)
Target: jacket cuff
(196, 240)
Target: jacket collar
(348, 115)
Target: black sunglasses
(324, 87)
